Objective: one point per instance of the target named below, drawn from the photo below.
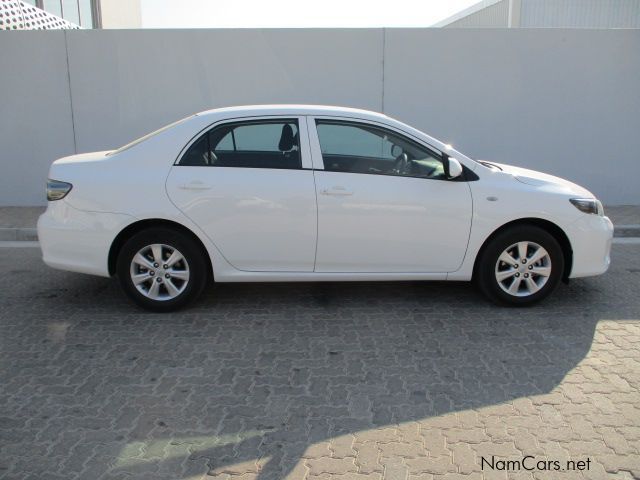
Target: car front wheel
(161, 269)
(520, 266)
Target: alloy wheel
(523, 269)
(160, 272)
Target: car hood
(544, 180)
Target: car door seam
(466, 250)
(315, 189)
(195, 224)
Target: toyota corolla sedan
(284, 193)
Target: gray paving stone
(306, 381)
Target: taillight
(57, 189)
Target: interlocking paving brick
(395, 470)
(354, 381)
(338, 466)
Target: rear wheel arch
(136, 227)
(550, 227)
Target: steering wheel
(401, 164)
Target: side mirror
(452, 169)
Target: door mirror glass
(454, 169)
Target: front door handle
(336, 191)
(195, 185)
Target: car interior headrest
(286, 139)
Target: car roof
(248, 110)
(225, 113)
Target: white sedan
(290, 193)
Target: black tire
(195, 263)
(485, 274)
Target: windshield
(148, 136)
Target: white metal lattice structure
(18, 15)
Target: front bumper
(590, 238)
(77, 240)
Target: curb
(18, 234)
(626, 231)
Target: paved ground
(344, 381)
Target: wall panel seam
(384, 47)
(73, 122)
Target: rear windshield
(148, 136)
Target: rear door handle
(337, 191)
(195, 185)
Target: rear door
(249, 186)
(384, 203)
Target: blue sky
(297, 13)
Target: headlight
(588, 205)
(57, 189)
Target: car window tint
(226, 143)
(252, 144)
(362, 148)
(261, 137)
(197, 153)
(352, 140)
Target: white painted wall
(563, 101)
(121, 13)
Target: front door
(384, 203)
(243, 183)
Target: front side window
(251, 144)
(361, 148)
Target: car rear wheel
(161, 269)
(520, 266)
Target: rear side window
(251, 144)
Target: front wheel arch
(554, 230)
(132, 229)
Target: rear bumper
(590, 238)
(77, 240)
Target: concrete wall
(36, 123)
(563, 101)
